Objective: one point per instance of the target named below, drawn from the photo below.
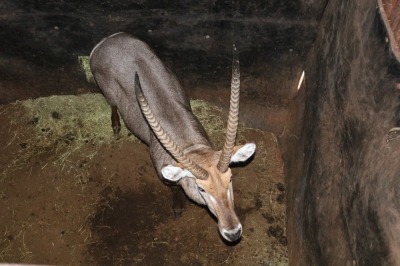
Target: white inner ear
(175, 173)
(244, 153)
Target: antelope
(157, 110)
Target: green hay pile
(84, 63)
(71, 120)
(66, 123)
(211, 117)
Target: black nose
(232, 235)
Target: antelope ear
(242, 153)
(175, 173)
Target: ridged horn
(163, 137)
(233, 117)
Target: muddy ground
(103, 204)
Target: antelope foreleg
(177, 203)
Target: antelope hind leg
(115, 123)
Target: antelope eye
(231, 179)
(201, 189)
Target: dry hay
(84, 63)
(72, 121)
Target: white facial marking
(213, 200)
(230, 192)
(209, 200)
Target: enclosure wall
(342, 169)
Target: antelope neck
(193, 148)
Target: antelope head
(204, 174)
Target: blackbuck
(156, 109)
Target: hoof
(177, 204)
(116, 131)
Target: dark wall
(342, 166)
(62, 27)
(40, 40)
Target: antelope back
(114, 62)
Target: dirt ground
(101, 203)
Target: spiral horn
(233, 117)
(163, 137)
